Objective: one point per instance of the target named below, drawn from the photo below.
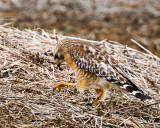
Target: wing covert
(90, 63)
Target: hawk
(94, 68)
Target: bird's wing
(105, 67)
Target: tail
(130, 87)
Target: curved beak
(58, 63)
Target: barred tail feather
(130, 87)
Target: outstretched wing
(102, 65)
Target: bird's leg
(100, 95)
(60, 84)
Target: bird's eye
(56, 57)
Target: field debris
(28, 74)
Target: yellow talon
(60, 84)
(100, 94)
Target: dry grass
(28, 74)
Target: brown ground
(28, 72)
